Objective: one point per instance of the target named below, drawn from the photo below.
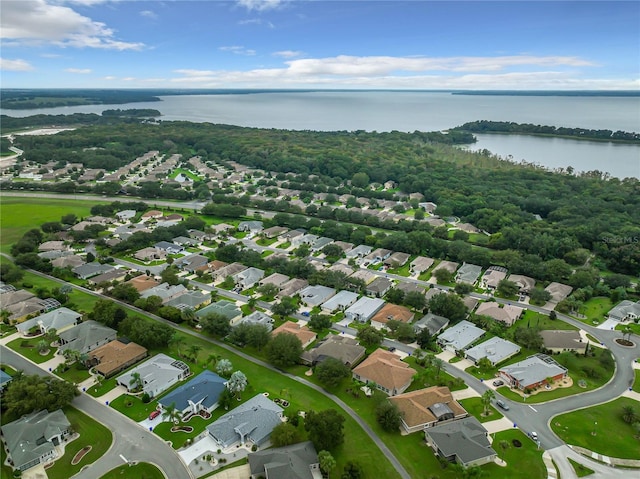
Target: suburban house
(85, 337)
(467, 228)
(344, 245)
(432, 323)
(397, 260)
(421, 264)
(226, 308)
(258, 317)
(250, 226)
(495, 350)
(157, 374)
(150, 254)
(59, 319)
(525, 283)
(378, 287)
(228, 270)
(450, 266)
(306, 238)
(21, 310)
(625, 311)
(339, 302)
(303, 333)
(492, 277)
(125, 215)
(291, 287)
(470, 302)
(465, 442)
(297, 461)
(391, 312)
(143, 282)
(468, 273)
(85, 271)
(185, 241)
(53, 246)
(427, 407)
(341, 268)
(558, 341)
(247, 278)
(386, 371)
(71, 261)
(407, 288)
(365, 275)
(32, 439)
(506, 314)
(378, 256)
(152, 214)
(359, 251)
(532, 372)
(321, 243)
(316, 295)
(251, 422)
(169, 248)
(116, 274)
(460, 336)
(192, 262)
(116, 356)
(274, 231)
(335, 346)
(198, 394)
(364, 309)
(165, 291)
(190, 300)
(276, 279)
(558, 291)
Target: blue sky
(320, 44)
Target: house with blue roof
(4, 379)
(199, 394)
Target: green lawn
(591, 428)
(595, 310)
(82, 302)
(533, 319)
(636, 381)
(28, 349)
(581, 471)
(19, 215)
(519, 459)
(266, 241)
(475, 408)
(92, 434)
(75, 374)
(142, 470)
(185, 172)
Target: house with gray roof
(85, 337)
(559, 341)
(59, 319)
(32, 439)
(340, 301)
(13, 296)
(525, 283)
(276, 279)
(558, 291)
(432, 323)
(125, 215)
(190, 300)
(378, 287)
(198, 394)
(54, 254)
(116, 274)
(297, 461)
(407, 287)
(359, 251)
(316, 295)
(421, 264)
(274, 231)
(464, 441)
(170, 248)
(460, 336)
(184, 241)
(495, 350)
(321, 243)
(625, 311)
(291, 287)
(341, 268)
(532, 372)
(251, 422)
(397, 260)
(364, 309)
(258, 317)
(158, 374)
(88, 270)
(226, 308)
(448, 265)
(247, 278)
(192, 262)
(165, 291)
(228, 270)
(378, 255)
(343, 348)
(52, 246)
(251, 226)
(306, 238)
(68, 261)
(468, 273)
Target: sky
(309, 44)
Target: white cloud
(15, 65)
(288, 53)
(238, 50)
(50, 55)
(149, 14)
(110, 77)
(80, 71)
(256, 21)
(260, 5)
(36, 21)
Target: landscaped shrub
(146, 398)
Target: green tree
(405, 333)
(487, 397)
(285, 307)
(415, 300)
(443, 276)
(629, 414)
(193, 351)
(284, 350)
(395, 296)
(448, 305)
(136, 381)
(370, 336)
(216, 323)
(331, 372)
(388, 416)
(237, 383)
(284, 434)
(352, 470)
(360, 180)
(529, 338)
(30, 393)
(463, 288)
(539, 296)
(318, 322)
(170, 275)
(268, 290)
(327, 462)
(325, 428)
(125, 292)
(171, 413)
(507, 288)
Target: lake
(423, 111)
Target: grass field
(19, 215)
(142, 470)
(591, 428)
(475, 407)
(533, 319)
(581, 471)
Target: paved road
(129, 439)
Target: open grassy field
(591, 428)
(19, 215)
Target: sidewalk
(552, 473)
(613, 461)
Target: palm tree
(136, 381)
(237, 383)
(188, 315)
(193, 351)
(177, 341)
(504, 445)
(487, 396)
(213, 359)
(629, 414)
(438, 364)
(51, 335)
(43, 346)
(171, 413)
(627, 331)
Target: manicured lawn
(519, 459)
(28, 348)
(142, 470)
(19, 215)
(533, 319)
(178, 439)
(75, 375)
(185, 172)
(92, 434)
(475, 407)
(595, 310)
(403, 270)
(266, 241)
(82, 302)
(578, 428)
(581, 471)
(133, 407)
(636, 381)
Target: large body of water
(423, 111)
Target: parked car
(498, 382)
(392, 349)
(502, 405)
(154, 414)
(306, 314)
(533, 435)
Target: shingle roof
(386, 369)
(205, 389)
(83, 336)
(466, 439)
(495, 350)
(289, 462)
(415, 405)
(460, 335)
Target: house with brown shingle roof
(143, 282)
(507, 314)
(386, 371)
(303, 333)
(427, 407)
(390, 312)
(116, 356)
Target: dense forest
(30, 99)
(528, 210)
(485, 126)
(10, 123)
